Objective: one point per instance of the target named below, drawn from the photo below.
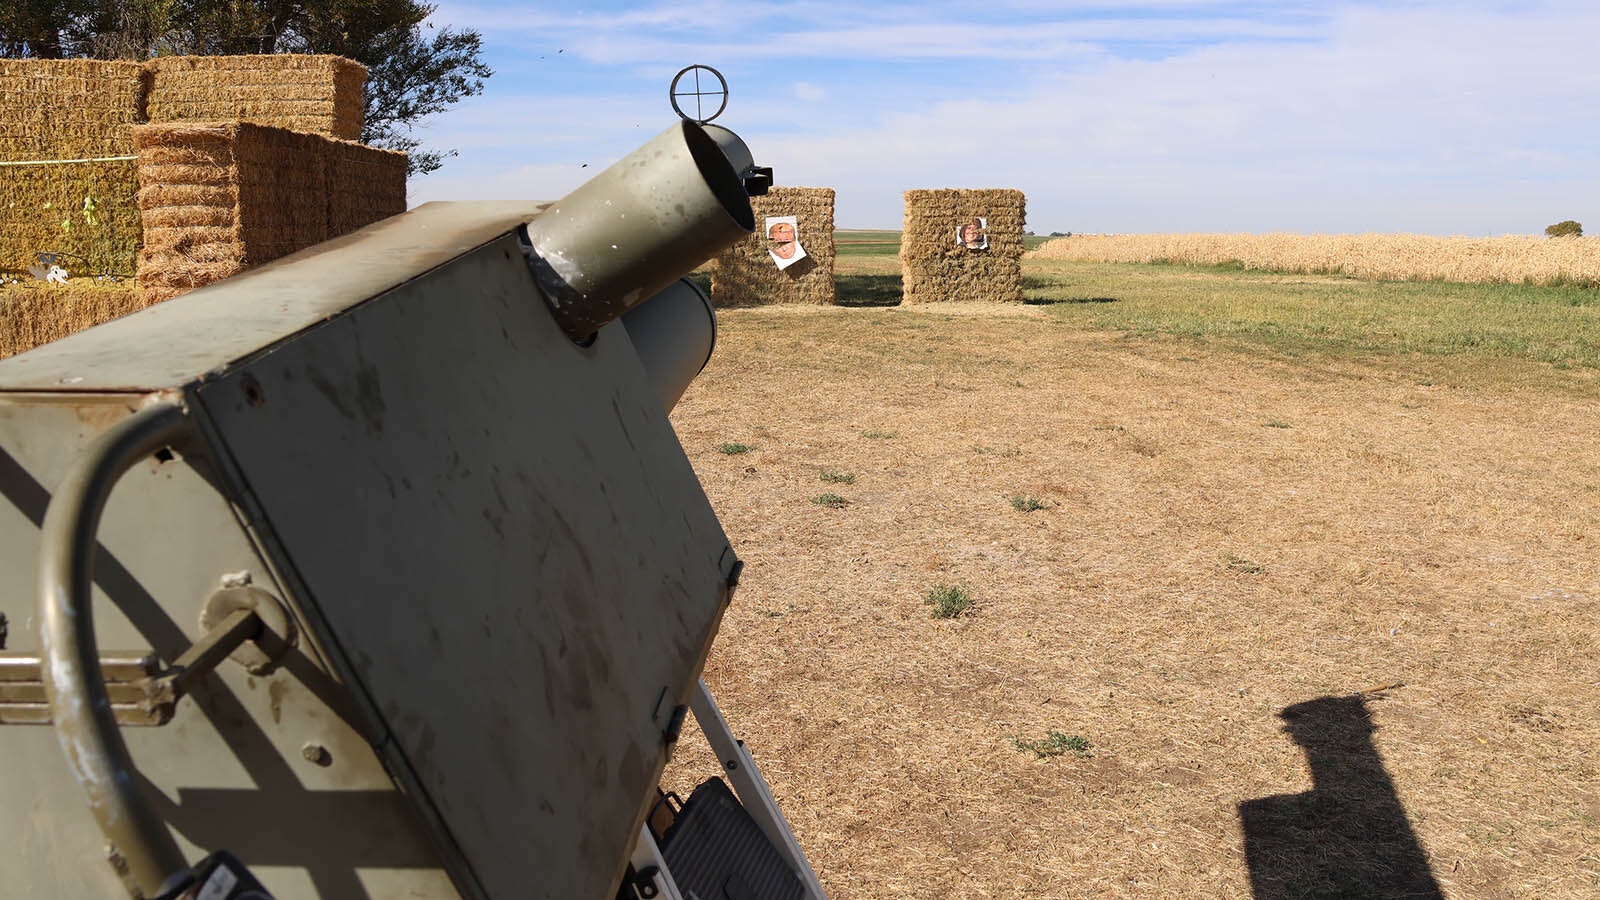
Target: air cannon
(378, 567)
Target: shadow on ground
(1035, 300)
(1346, 837)
(866, 290)
(1048, 291)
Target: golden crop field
(1511, 259)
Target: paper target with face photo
(973, 234)
(783, 236)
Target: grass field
(1264, 586)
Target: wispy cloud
(1449, 118)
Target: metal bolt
(317, 754)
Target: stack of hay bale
(249, 158)
(182, 169)
(68, 183)
(936, 266)
(746, 273)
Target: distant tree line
(1567, 228)
(413, 68)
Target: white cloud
(1399, 121)
(1448, 118)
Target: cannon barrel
(635, 228)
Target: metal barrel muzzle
(637, 227)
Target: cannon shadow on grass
(1346, 837)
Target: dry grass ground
(1223, 535)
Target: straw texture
(217, 198)
(34, 313)
(299, 92)
(937, 268)
(78, 110)
(745, 274)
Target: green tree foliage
(414, 69)
(1568, 228)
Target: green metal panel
(506, 540)
(230, 770)
(504, 572)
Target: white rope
(57, 162)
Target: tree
(413, 68)
(1568, 228)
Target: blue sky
(1465, 117)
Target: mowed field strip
(1280, 584)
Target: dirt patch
(1220, 539)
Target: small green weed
(1005, 452)
(1275, 423)
(1026, 503)
(877, 435)
(1055, 743)
(1240, 564)
(733, 448)
(831, 501)
(947, 600)
(834, 477)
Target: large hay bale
(298, 92)
(747, 274)
(54, 112)
(937, 266)
(365, 184)
(35, 313)
(218, 198)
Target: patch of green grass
(1054, 743)
(947, 600)
(875, 434)
(1296, 315)
(1240, 564)
(1006, 452)
(1026, 503)
(733, 448)
(832, 476)
(865, 242)
(831, 501)
(1274, 423)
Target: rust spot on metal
(254, 394)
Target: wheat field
(1510, 259)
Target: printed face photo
(783, 241)
(973, 234)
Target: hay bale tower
(67, 173)
(749, 273)
(220, 197)
(272, 168)
(962, 245)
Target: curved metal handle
(70, 659)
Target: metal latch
(140, 691)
